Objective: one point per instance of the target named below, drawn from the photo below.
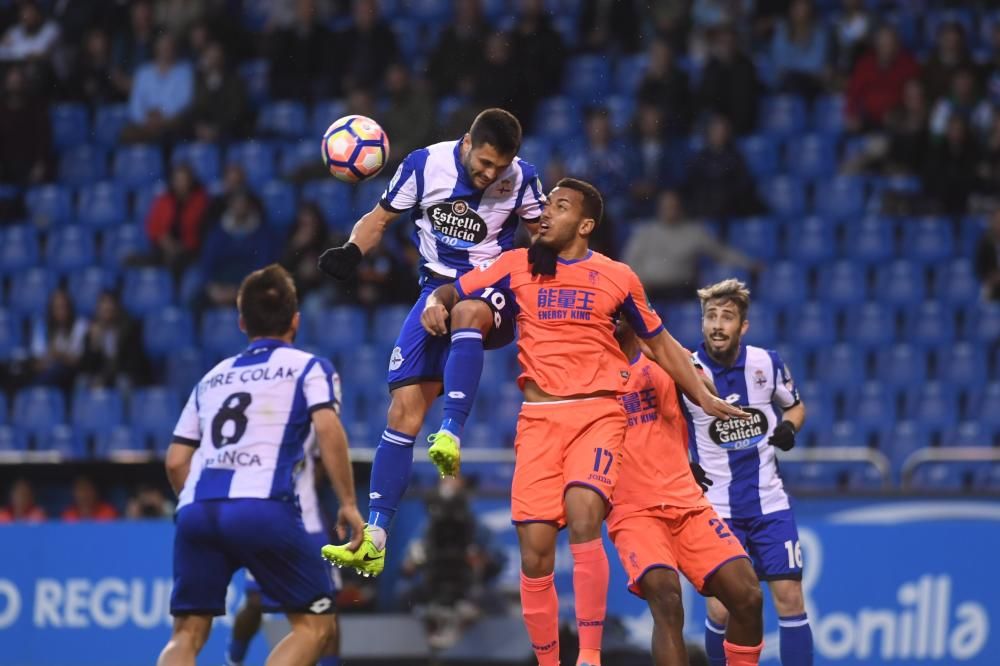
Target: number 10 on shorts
(599, 455)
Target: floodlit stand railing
(860, 454)
(946, 454)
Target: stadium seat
(841, 197)
(956, 284)
(64, 440)
(872, 407)
(901, 283)
(843, 367)
(119, 440)
(968, 433)
(942, 477)
(934, 405)
(324, 112)
(70, 249)
(783, 115)
(70, 125)
(49, 205)
(962, 365)
(928, 240)
(256, 76)
(813, 326)
(783, 284)
(29, 291)
(811, 156)
(817, 476)
(763, 331)
(930, 325)
(429, 12)
(10, 344)
(96, 411)
(684, 323)
(340, 328)
(147, 290)
(822, 410)
(109, 120)
(220, 332)
(711, 273)
(870, 240)
(812, 240)
(901, 366)
(18, 248)
(296, 155)
(907, 436)
(83, 165)
(257, 159)
(334, 199)
(12, 438)
(185, 368)
(153, 413)
(629, 73)
(863, 478)
(166, 331)
(121, 243)
(872, 326)
(984, 478)
(203, 158)
(985, 325)
(283, 118)
(846, 434)
(843, 283)
(558, 119)
(588, 78)
(387, 323)
(761, 155)
(37, 408)
(278, 198)
(142, 199)
(785, 195)
(536, 150)
(86, 287)
(622, 111)
(828, 114)
(756, 236)
(367, 194)
(102, 205)
(138, 164)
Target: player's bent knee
(191, 631)
(747, 603)
(663, 594)
(472, 314)
(406, 411)
(536, 564)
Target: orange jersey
(655, 469)
(566, 325)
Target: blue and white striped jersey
(457, 226)
(250, 419)
(735, 453)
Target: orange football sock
(540, 609)
(742, 655)
(590, 585)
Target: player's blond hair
(727, 291)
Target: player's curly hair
(727, 291)
(593, 202)
(267, 301)
(499, 128)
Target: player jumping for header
(571, 427)
(465, 198)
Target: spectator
(178, 16)
(112, 351)
(57, 342)
(658, 161)
(25, 132)
(729, 83)
(609, 25)
(539, 54)
(766, 16)
(133, 47)
(409, 120)
(176, 218)
(951, 54)
(719, 183)
(234, 179)
(220, 110)
(990, 71)
(602, 161)
(877, 82)
(366, 49)
(988, 258)
(380, 276)
(239, 245)
(498, 79)
(34, 37)
(852, 27)
(909, 138)
(800, 50)
(160, 95)
(87, 503)
(988, 171)
(664, 252)
(92, 81)
(950, 172)
(965, 101)
(300, 56)
(22, 507)
(148, 502)
(307, 240)
(667, 86)
(457, 59)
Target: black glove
(543, 259)
(701, 477)
(341, 262)
(783, 436)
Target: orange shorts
(562, 444)
(691, 540)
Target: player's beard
(543, 259)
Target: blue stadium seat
(340, 328)
(942, 477)
(841, 197)
(763, 331)
(873, 407)
(817, 476)
(70, 125)
(220, 332)
(969, 433)
(870, 240)
(334, 199)
(970, 230)
(324, 113)
(986, 477)
(185, 368)
(906, 437)
(10, 343)
(872, 326)
(70, 249)
(278, 198)
(138, 165)
(711, 273)
(12, 438)
(928, 240)
(588, 78)
(367, 194)
(49, 205)
(97, 410)
(87, 285)
(783, 115)
(109, 121)
(846, 434)
(295, 155)
(934, 405)
(622, 111)
(147, 290)
(122, 242)
(558, 119)
(820, 402)
(989, 407)
(812, 240)
(901, 283)
(761, 155)
(843, 283)
(153, 414)
(537, 150)
(813, 326)
(388, 322)
(29, 291)
(63, 439)
(256, 76)
(167, 331)
(203, 158)
(102, 205)
(901, 366)
(962, 365)
(828, 114)
(985, 325)
(956, 283)
(143, 197)
(930, 325)
(864, 478)
(18, 248)
(118, 441)
(283, 118)
(783, 283)
(83, 165)
(785, 195)
(812, 156)
(629, 73)
(843, 367)
(257, 159)
(684, 323)
(429, 12)
(757, 236)
(37, 408)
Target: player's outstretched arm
(332, 441)
(341, 262)
(178, 464)
(676, 360)
(434, 318)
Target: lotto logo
(320, 606)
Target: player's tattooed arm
(434, 318)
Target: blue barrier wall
(900, 582)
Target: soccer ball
(355, 148)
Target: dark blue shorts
(318, 540)
(419, 356)
(772, 541)
(214, 539)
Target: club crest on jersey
(736, 434)
(593, 277)
(505, 187)
(455, 224)
(759, 379)
(396, 359)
